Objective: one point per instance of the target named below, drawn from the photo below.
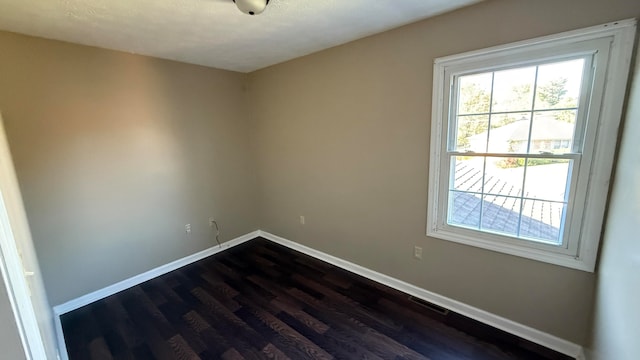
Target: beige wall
(344, 140)
(115, 153)
(617, 311)
(9, 337)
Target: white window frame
(612, 45)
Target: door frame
(14, 224)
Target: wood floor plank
(229, 325)
(232, 354)
(272, 352)
(182, 349)
(340, 346)
(260, 300)
(99, 350)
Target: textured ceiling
(214, 32)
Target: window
(522, 143)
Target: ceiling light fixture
(251, 7)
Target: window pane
(552, 131)
(467, 173)
(471, 133)
(513, 89)
(502, 119)
(509, 133)
(501, 214)
(496, 206)
(541, 220)
(528, 130)
(474, 94)
(464, 209)
(504, 176)
(559, 84)
(547, 179)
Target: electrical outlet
(417, 252)
(187, 228)
(302, 221)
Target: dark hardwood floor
(260, 300)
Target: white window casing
(607, 52)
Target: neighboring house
(547, 134)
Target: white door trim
(13, 272)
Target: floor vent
(433, 307)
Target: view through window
(516, 130)
(523, 138)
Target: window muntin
(585, 158)
(525, 111)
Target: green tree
(473, 100)
(469, 126)
(521, 98)
(554, 94)
(553, 91)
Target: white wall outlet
(302, 220)
(187, 228)
(417, 252)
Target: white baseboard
(151, 274)
(133, 281)
(523, 331)
(62, 346)
(539, 337)
(583, 355)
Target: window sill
(543, 255)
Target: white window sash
(592, 150)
